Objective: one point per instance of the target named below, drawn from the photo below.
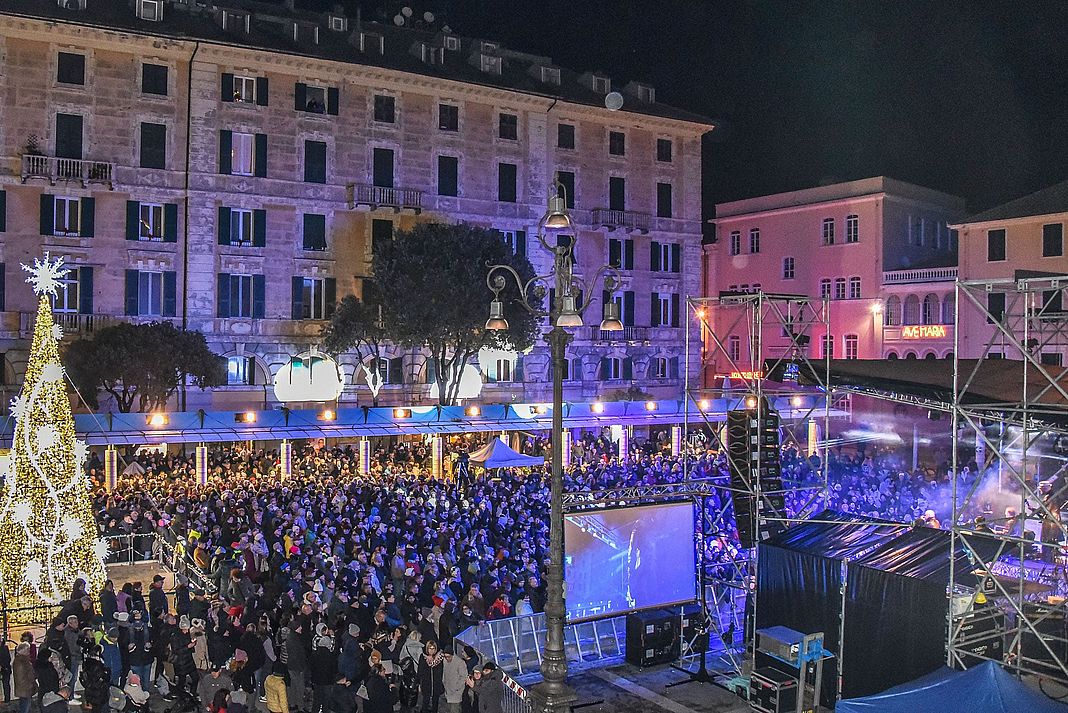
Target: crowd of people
(334, 589)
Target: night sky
(967, 97)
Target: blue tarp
(987, 688)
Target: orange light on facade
(245, 417)
(157, 420)
(473, 411)
(327, 415)
(704, 404)
(402, 413)
(750, 401)
(923, 331)
(597, 407)
(650, 406)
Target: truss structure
(1026, 322)
(754, 340)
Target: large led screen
(625, 559)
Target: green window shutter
(226, 151)
(259, 228)
(48, 214)
(88, 217)
(298, 298)
(261, 156)
(224, 225)
(262, 91)
(259, 296)
(330, 285)
(131, 293)
(222, 302)
(227, 87)
(332, 101)
(170, 293)
(133, 220)
(300, 96)
(170, 223)
(85, 290)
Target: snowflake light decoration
(81, 451)
(21, 512)
(57, 332)
(47, 437)
(45, 275)
(52, 372)
(101, 549)
(19, 407)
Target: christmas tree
(47, 533)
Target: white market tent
(497, 454)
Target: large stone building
(880, 251)
(228, 166)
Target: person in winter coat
(46, 673)
(431, 668)
(350, 660)
(5, 668)
(56, 701)
(24, 679)
(96, 682)
(453, 680)
(490, 689)
(381, 694)
(210, 685)
(295, 659)
(140, 649)
(181, 656)
(221, 702)
(108, 643)
(109, 603)
(274, 687)
(324, 672)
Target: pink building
(880, 250)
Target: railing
(72, 323)
(629, 334)
(929, 274)
(631, 219)
(54, 169)
(382, 196)
(132, 548)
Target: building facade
(878, 250)
(230, 168)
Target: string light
(47, 532)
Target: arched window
(241, 371)
(949, 303)
(910, 355)
(892, 356)
(931, 313)
(892, 315)
(912, 310)
(931, 356)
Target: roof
(271, 31)
(1047, 201)
(835, 192)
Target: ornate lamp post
(553, 695)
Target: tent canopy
(852, 536)
(497, 454)
(987, 688)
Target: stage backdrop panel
(626, 559)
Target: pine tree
(47, 533)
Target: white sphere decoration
(309, 377)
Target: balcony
(382, 197)
(73, 324)
(629, 335)
(929, 274)
(615, 219)
(53, 169)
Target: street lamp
(553, 695)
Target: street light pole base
(551, 698)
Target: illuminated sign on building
(745, 375)
(923, 331)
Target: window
(754, 240)
(490, 64)
(550, 75)
(150, 294)
(314, 161)
(244, 89)
(381, 233)
(663, 200)
(625, 302)
(736, 243)
(949, 304)
(930, 310)
(852, 343)
(825, 288)
(839, 288)
(734, 348)
(995, 245)
(385, 109)
(601, 85)
(1053, 240)
(617, 193)
(66, 298)
(664, 310)
(240, 371)
(565, 136)
(448, 117)
(566, 179)
(827, 347)
(151, 10)
(452, 43)
(313, 297)
(241, 227)
(150, 222)
(663, 150)
(382, 167)
(516, 240)
(239, 297)
(828, 231)
(665, 257)
(314, 99)
(235, 21)
(314, 231)
(911, 314)
(500, 371)
(787, 268)
(71, 68)
(507, 174)
(852, 229)
(448, 176)
(617, 143)
(67, 217)
(153, 145)
(154, 79)
(508, 126)
(242, 154)
(68, 136)
(621, 253)
(339, 23)
(573, 369)
(892, 315)
(854, 288)
(995, 304)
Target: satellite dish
(428, 16)
(406, 11)
(398, 20)
(446, 29)
(613, 101)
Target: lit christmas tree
(47, 533)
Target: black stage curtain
(801, 591)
